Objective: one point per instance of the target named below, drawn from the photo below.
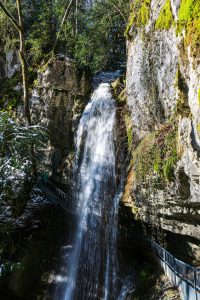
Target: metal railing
(56, 195)
(62, 195)
(185, 272)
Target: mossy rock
(157, 154)
(189, 19)
(140, 15)
(119, 90)
(182, 105)
(165, 19)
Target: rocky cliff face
(9, 64)
(163, 90)
(59, 96)
(32, 241)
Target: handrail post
(165, 261)
(195, 283)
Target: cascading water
(92, 261)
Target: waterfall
(92, 260)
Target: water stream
(91, 259)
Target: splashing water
(92, 262)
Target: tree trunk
(22, 56)
(76, 30)
(23, 64)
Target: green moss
(182, 106)
(157, 153)
(168, 168)
(140, 15)
(165, 19)
(119, 90)
(144, 13)
(188, 10)
(169, 153)
(198, 128)
(193, 37)
(199, 96)
(189, 19)
(143, 157)
(129, 25)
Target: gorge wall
(163, 96)
(59, 96)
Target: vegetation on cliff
(157, 153)
(139, 15)
(165, 19)
(189, 19)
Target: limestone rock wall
(58, 99)
(9, 64)
(163, 89)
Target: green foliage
(189, 19)
(15, 156)
(8, 33)
(100, 41)
(94, 35)
(140, 14)
(10, 97)
(168, 167)
(157, 153)
(41, 28)
(165, 19)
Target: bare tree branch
(9, 16)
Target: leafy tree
(8, 34)
(92, 32)
(19, 26)
(99, 39)
(40, 23)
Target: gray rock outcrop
(59, 96)
(163, 89)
